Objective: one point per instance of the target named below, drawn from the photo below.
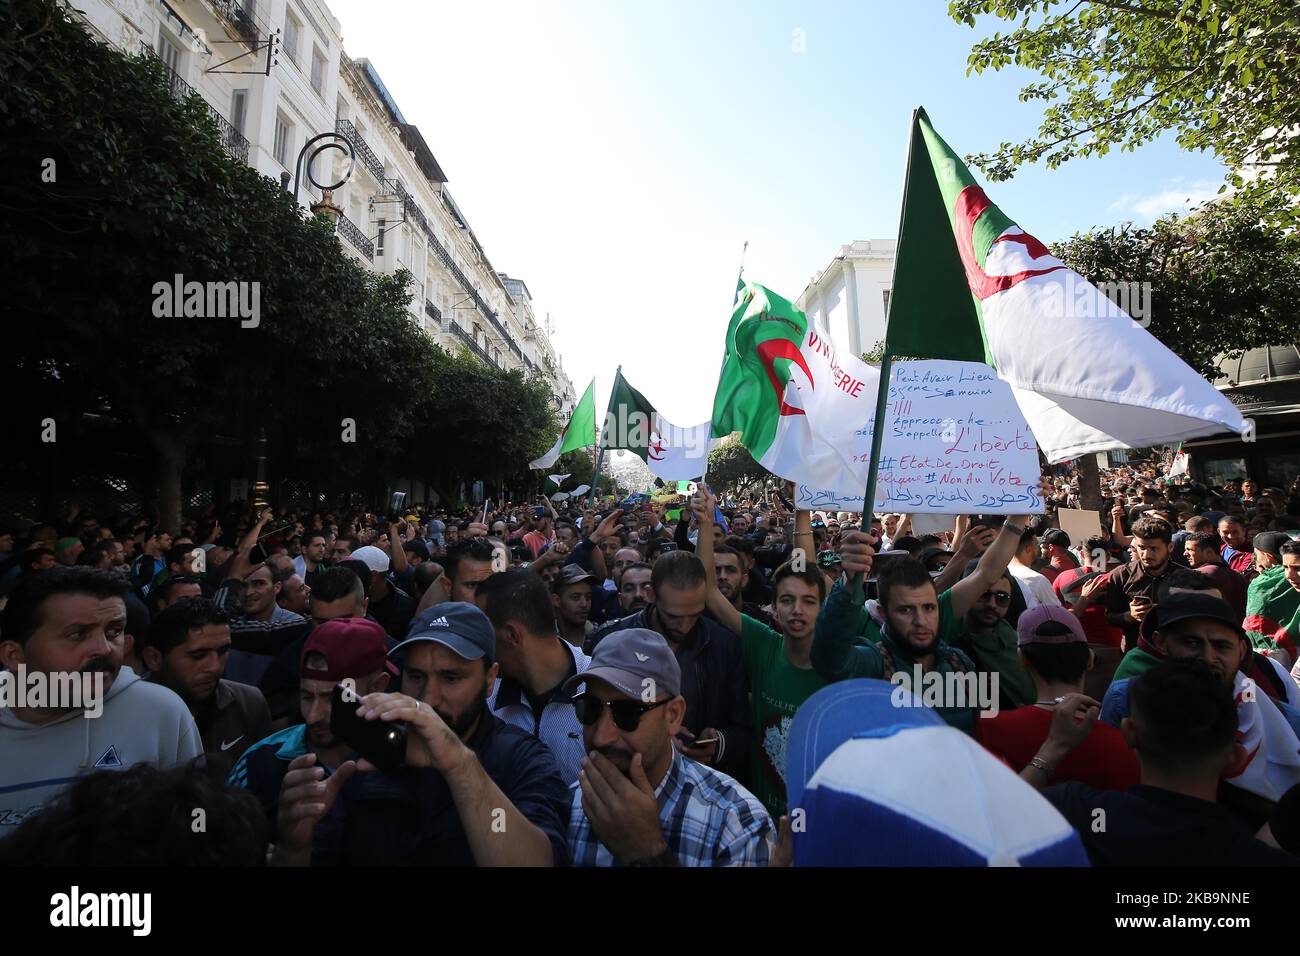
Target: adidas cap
(455, 624)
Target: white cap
(374, 559)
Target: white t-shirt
(1036, 588)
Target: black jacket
(714, 684)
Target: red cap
(352, 647)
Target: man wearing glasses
(990, 642)
(639, 801)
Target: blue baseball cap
(455, 624)
(882, 780)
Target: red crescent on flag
(773, 349)
(971, 204)
(653, 447)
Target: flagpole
(740, 275)
(595, 477)
(858, 585)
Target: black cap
(1055, 536)
(1188, 605)
(1270, 542)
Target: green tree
(109, 187)
(1221, 73)
(1222, 281)
(732, 469)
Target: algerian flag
(1180, 463)
(673, 453)
(579, 433)
(579, 491)
(797, 399)
(557, 480)
(969, 284)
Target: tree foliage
(732, 468)
(110, 186)
(1224, 280)
(1221, 73)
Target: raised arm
(702, 504)
(991, 567)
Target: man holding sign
(913, 626)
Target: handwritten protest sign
(955, 443)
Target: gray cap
(626, 659)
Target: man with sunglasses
(639, 801)
(713, 670)
(990, 642)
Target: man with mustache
(635, 592)
(473, 790)
(58, 626)
(640, 801)
(186, 652)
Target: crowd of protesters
(660, 683)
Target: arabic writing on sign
(955, 443)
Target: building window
(317, 72)
(292, 29)
(169, 53)
(379, 240)
(280, 148)
(238, 109)
(886, 294)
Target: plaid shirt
(708, 819)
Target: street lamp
(336, 141)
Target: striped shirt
(708, 819)
(556, 725)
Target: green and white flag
(670, 451)
(798, 401)
(579, 433)
(971, 285)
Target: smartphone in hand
(381, 742)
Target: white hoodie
(140, 722)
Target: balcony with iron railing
(239, 18)
(432, 312)
(359, 240)
(364, 152)
(468, 286)
(468, 341)
(232, 139)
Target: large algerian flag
(797, 400)
(579, 433)
(672, 452)
(969, 284)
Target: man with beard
(473, 789)
(1130, 594)
(186, 653)
(342, 649)
(729, 568)
(59, 627)
(912, 626)
(640, 801)
(713, 668)
(781, 676)
(635, 592)
(311, 562)
(1200, 626)
(571, 595)
(992, 644)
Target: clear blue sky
(615, 155)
